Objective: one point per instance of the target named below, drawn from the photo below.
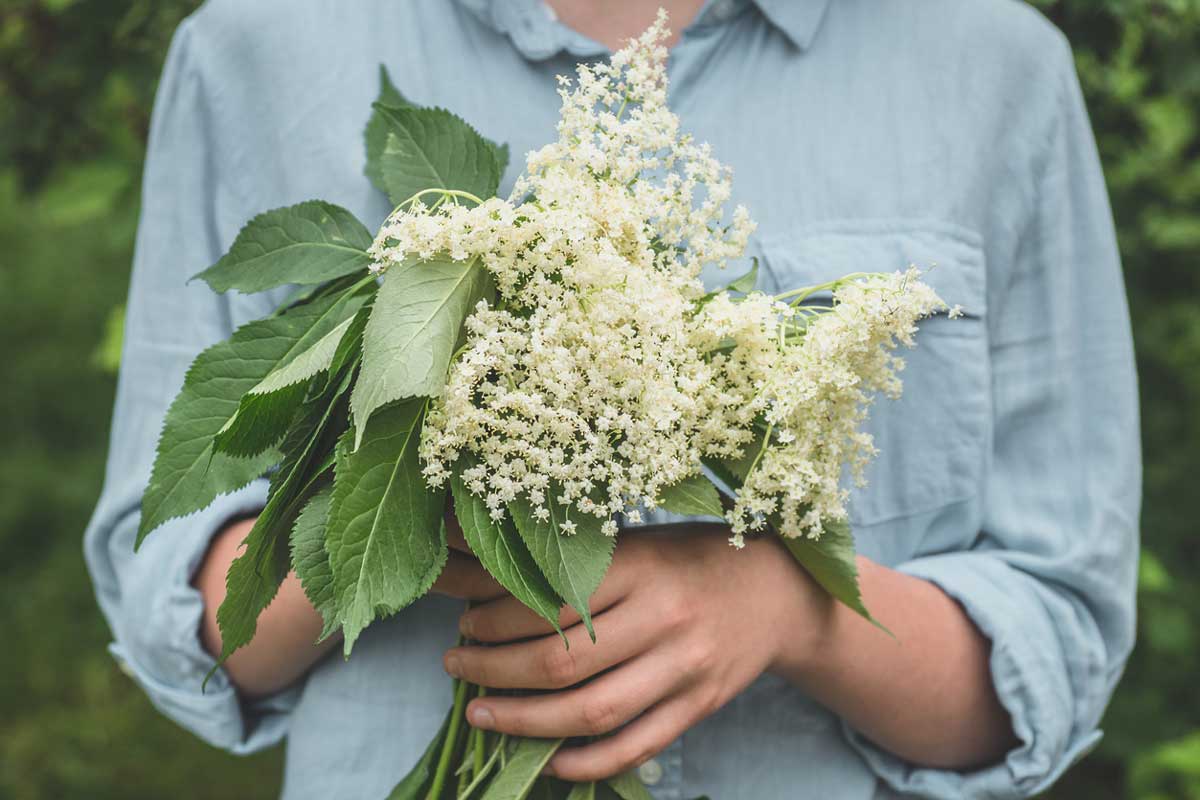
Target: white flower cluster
(808, 373)
(604, 373)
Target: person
(998, 528)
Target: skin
(683, 624)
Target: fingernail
(453, 667)
(481, 717)
(464, 625)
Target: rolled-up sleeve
(147, 597)
(1050, 579)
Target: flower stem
(806, 291)
(443, 766)
(438, 190)
(479, 743)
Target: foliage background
(76, 84)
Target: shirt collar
(799, 20)
(538, 35)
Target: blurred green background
(76, 83)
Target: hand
(683, 624)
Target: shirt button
(651, 772)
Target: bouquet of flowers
(549, 362)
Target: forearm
(926, 694)
(283, 647)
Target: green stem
(479, 743)
(456, 716)
(806, 291)
(443, 192)
(486, 769)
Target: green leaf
(502, 553)
(744, 283)
(516, 778)
(574, 564)
(414, 785)
(389, 95)
(500, 151)
(310, 242)
(583, 791)
(386, 543)
(188, 474)
(376, 133)
(309, 559)
(414, 326)
(349, 349)
(430, 148)
(254, 577)
(312, 361)
(692, 496)
(831, 562)
(260, 421)
(266, 409)
(628, 786)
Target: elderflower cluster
(604, 373)
(813, 371)
(582, 381)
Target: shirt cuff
(158, 641)
(1030, 676)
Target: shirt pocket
(933, 441)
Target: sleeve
(147, 597)
(1051, 577)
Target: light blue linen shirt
(864, 136)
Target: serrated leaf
(310, 242)
(376, 133)
(502, 157)
(574, 564)
(415, 323)
(503, 554)
(349, 349)
(267, 407)
(517, 777)
(309, 559)
(312, 361)
(830, 560)
(414, 785)
(389, 95)
(694, 496)
(260, 422)
(254, 576)
(188, 474)
(629, 786)
(430, 148)
(385, 542)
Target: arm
(925, 695)
(283, 648)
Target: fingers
(507, 618)
(454, 533)
(599, 707)
(635, 744)
(465, 579)
(544, 663)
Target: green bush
(76, 82)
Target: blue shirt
(864, 136)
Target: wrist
(805, 618)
